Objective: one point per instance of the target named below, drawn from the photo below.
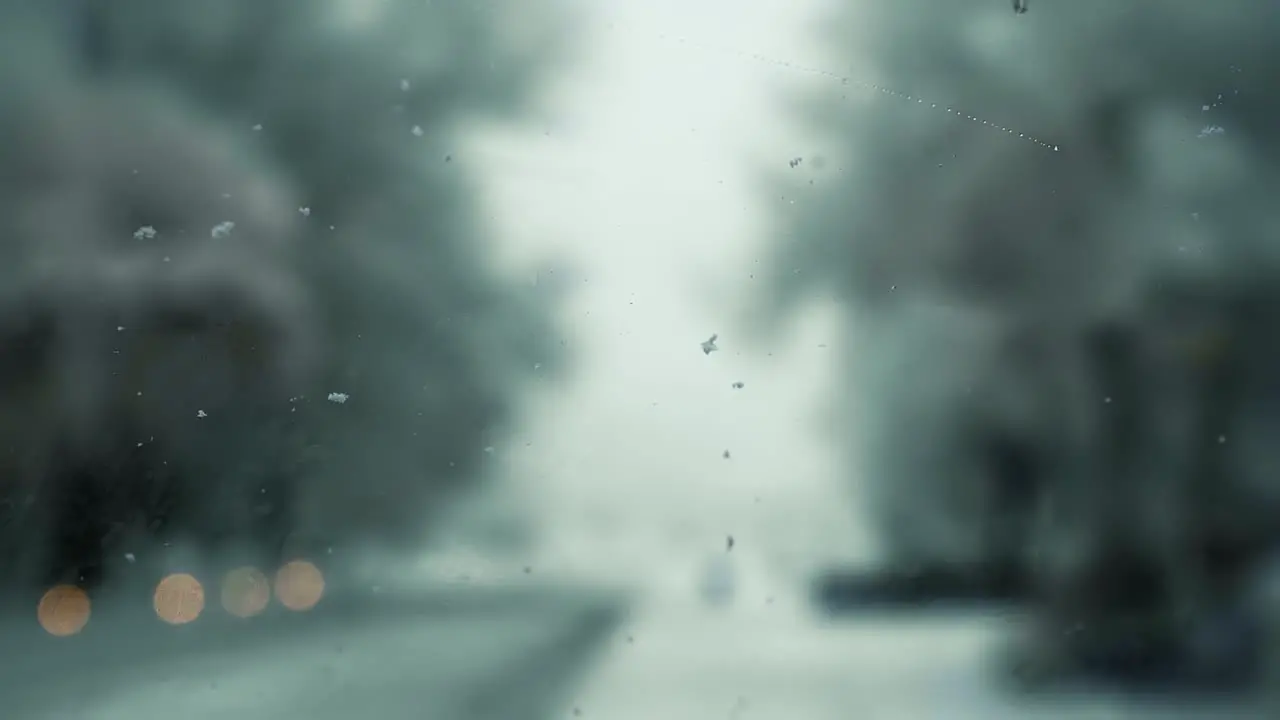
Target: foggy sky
(645, 176)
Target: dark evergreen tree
(247, 297)
(1054, 237)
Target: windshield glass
(523, 359)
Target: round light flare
(179, 599)
(299, 585)
(63, 610)
(246, 591)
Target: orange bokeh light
(245, 592)
(63, 610)
(299, 585)
(179, 599)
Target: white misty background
(646, 176)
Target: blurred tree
(248, 297)
(1041, 229)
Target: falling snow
(709, 345)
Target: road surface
(530, 653)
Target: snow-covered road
(765, 664)
(537, 654)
